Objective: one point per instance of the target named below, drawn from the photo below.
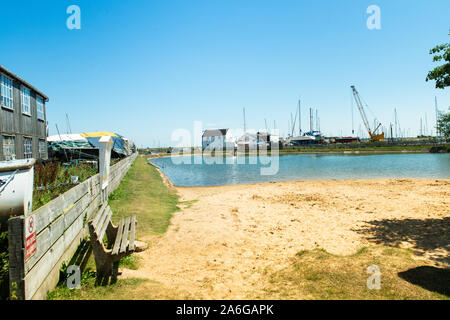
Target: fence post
(16, 258)
(105, 146)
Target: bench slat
(101, 234)
(99, 215)
(101, 223)
(132, 233)
(126, 228)
(118, 237)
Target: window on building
(40, 108)
(42, 149)
(8, 148)
(6, 92)
(28, 148)
(25, 96)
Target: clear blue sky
(145, 68)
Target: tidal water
(202, 171)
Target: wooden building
(214, 139)
(23, 122)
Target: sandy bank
(231, 234)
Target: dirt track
(221, 246)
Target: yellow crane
(372, 134)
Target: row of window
(7, 98)
(9, 148)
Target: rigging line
(368, 108)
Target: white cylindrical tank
(16, 187)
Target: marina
(303, 167)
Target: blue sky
(146, 68)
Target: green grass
(360, 148)
(89, 291)
(144, 194)
(4, 263)
(317, 274)
(130, 262)
(187, 204)
(44, 176)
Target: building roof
(17, 78)
(215, 133)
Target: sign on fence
(30, 236)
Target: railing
(59, 226)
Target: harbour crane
(372, 134)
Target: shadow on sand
(430, 236)
(427, 236)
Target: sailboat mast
(245, 128)
(299, 119)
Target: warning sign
(30, 236)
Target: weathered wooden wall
(60, 226)
(13, 122)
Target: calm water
(304, 167)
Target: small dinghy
(16, 187)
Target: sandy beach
(223, 239)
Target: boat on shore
(308, 138)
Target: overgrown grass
(144, 194)
(317, 274)
(4, 263)
(130, 262)
(52, 174)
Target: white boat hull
(16, 187)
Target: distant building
(214, 139)
(343, 139)
(23, 122)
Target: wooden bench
(120, 240)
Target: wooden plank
(79, 207)
(118, 237)
(52, 210)
(37, 275)
(101, 234)
(102, 221)
(126, 228)
(40, 271)
(73, 230)
(100, 215)
(45, 241)
(92, 209)
(71, 210)
(52, 278)
(49, 235)
(132, 233)
(16, 257)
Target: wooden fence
(60, 225)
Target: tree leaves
(441, 74)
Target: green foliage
(52, 174)
(441, 74)
(4, 264)
(444, 124)
(130, 262)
